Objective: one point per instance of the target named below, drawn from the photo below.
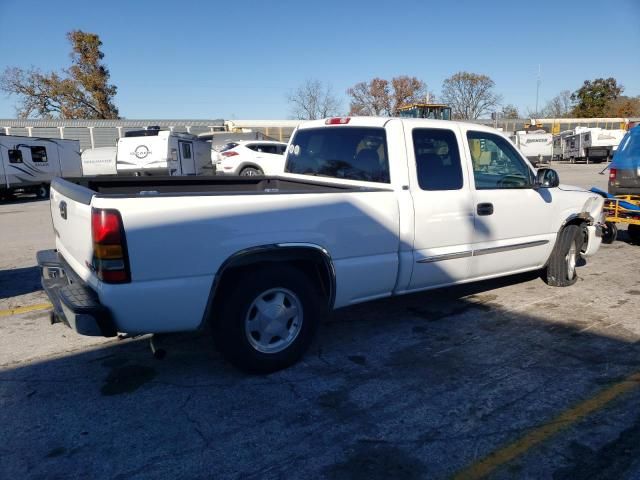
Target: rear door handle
(485, 209)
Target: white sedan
(247, 158)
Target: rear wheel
(250, 172)
(634, 233)
(42, 191)
(267, 318)
(609, 233)
(561, 268)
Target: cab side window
(496, 163)
(437, 159)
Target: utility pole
(538, 82)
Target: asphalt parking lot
(508, 378)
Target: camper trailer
(559, 144)
(99, 161)
(592, 144)
(28, 164)
(162, 152)
(536, 145)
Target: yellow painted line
(496, 459)
(30, 308)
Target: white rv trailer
(592, 144)
(162, 152)
(28, 164)
(559, 144)
(99, 161)
(536, 145)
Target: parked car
(367, 208)
(248, 158)
(624, 171)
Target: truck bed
(200, 185)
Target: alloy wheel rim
(274, 320)
(571, 261)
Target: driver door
(512, 220)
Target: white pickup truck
(367, 208)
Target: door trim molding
(482, 251)
(446, 256)
(506, 248)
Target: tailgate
(71, 215)
(628, 177)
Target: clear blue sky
(238, 59)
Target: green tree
(592, 99)
(81, 91)
(470, 95)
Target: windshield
(354, 153)
(628, 154)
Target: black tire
(42, 191)
(634, 233)
(559, 272)
(609, 233)
(238, 297)
(250, 172)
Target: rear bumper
(74, 302)
(623, 190)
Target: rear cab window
(437, 159)
(352, 153)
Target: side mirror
(547, 178)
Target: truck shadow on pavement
(20, 199)
(19, 281)
(408, 387)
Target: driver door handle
(485, 209)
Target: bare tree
(559, 106)
(380, 97)
(82, 91)
(313, 100)
(470, 95)
(510, 111)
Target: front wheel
(561, 268)
(267, 318)
(250, 172)
(609, 233)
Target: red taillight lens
(337, 121)
(612, 173)
(110, 260)
(229, 154)
(105, 226)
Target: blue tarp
(627, 205)
(627, 156)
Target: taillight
(612, 174)
(337, 121)
(229, 154)
(110, 260)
